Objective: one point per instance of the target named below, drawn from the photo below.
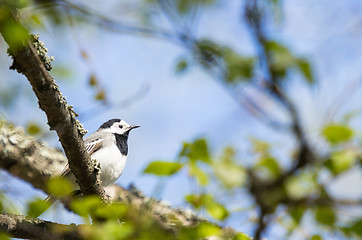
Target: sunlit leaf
(357, 228)
(93, 81)
(201, 231)
(185, 6)
(113, 230)
(15, 33)
(297, 213)
(100, 95)
(227, 171)
(197, 150)
(302, 185)
(305, 68)
(316, 237)
(33, 128)
(62, 71)
(336, 133)
(269, 166)
(216, 210)
(200, 175)
(182, 66)
(341, 161)
(207, 52)
(241, 236)
(260, 146)
(281, 58)
(4, 236)
(37, 207)
(163, 168)
(85, 206)
(59, 187)
(195, 200)
(111, 211)
(239, 68)
(325, 215)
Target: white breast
(112, 163)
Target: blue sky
(179, 108)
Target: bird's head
(117, 126)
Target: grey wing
(91, 146)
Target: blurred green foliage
(163, 168)
(226, 171)
(60, 187)
(336, 133)
(282, 61)
(36, 207)
(32, 128)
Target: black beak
(133, 126)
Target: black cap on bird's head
(109, 123)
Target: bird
(109, 147)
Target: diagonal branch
(19, 226)
(26, 158)
(61, 116)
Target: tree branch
(25, 157)
(19, 226)
(29, 59)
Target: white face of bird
(117, 126)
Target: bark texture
(33, 161)
(29, 58)
(27, 228)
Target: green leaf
(216, 210)
(341, 161)
(281, 60)
(181, 66)
(14, 32)
(163, 168)
(4, 236)
(357, 227)
(185, 6)
(111, 211)
(239, 68)
(198, 150)
(297, 213)
(85, 206)
(93, 81)
(114, 230)
(336, 133)
(200, 175)
(33, 128)
(100, 95)
(201, 231)
(227, 171)
(241, 236)
(316, 237)
(302, 185)
(59, 187)
(260, 146)
(304, 67)
(195, 200)
(36, 207)
(325, 215)
(269, 167)
(207, 52)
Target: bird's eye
(120, 126)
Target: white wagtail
(108, 146)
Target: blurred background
(136, 60)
